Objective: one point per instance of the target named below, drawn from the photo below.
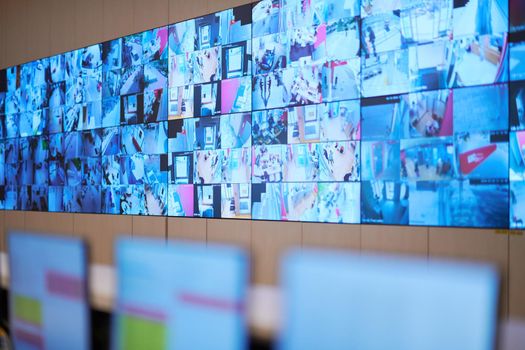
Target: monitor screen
(48, 302)
(180, 296)
(381, 110)
(346, 301)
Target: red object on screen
(517, 12)
(144, 313)
(211, 302)
(34, 340)
(472, 159)
(63, 285)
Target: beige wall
(267, 241)
(30, 29)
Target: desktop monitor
(344, 301)
(48, 303)
(179, 296)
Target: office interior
(32, 29)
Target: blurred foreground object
(335, 300)
(4, 340)
(180, 296)
(48, 292)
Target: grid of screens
(407, 112)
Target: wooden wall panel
(332, 236)
(473, 245)
(183, 10)
(89, 22)
(16, 32)
(517, 277)
(187, 229)
(118, 18)
(150, 226)
(219, 5)
(3, 45)
(237, 232)
(13, 221)
(62, 18)
(39, 29)
(2, 231)
(395, 239)
(270, 240)
(150, 14)
(53, 223)
(100, 232)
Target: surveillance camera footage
(341, 111)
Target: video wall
(403, 112)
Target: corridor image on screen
(342, 111)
